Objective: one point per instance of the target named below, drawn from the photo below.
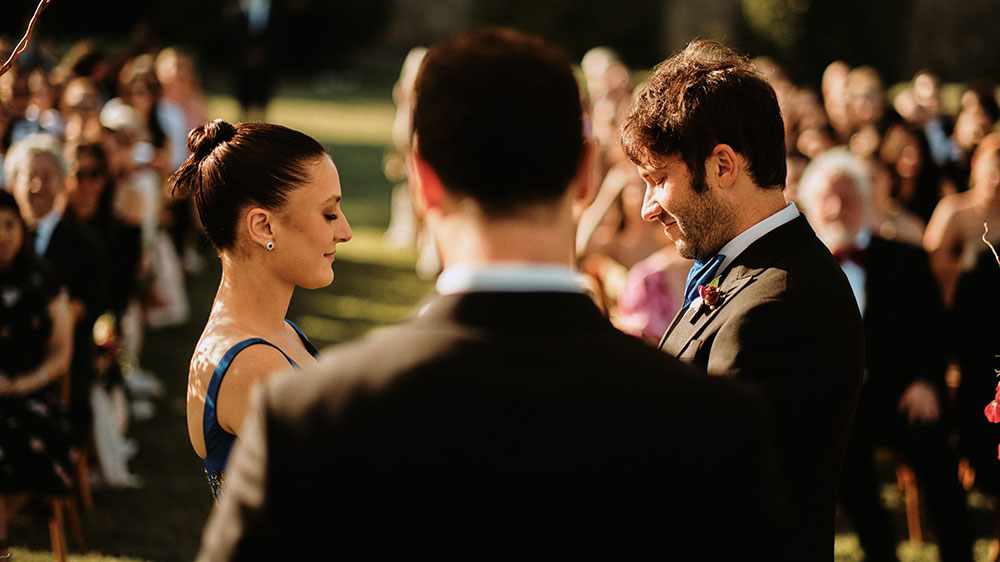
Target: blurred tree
(314, 34)
(806, 35)
(579, 25)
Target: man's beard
(706, 224)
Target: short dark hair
(24, 260)
(703, 96)
(497, 115)
(234, 166)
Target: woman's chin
(319, 282)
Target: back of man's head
(703, 96)
(497, 116)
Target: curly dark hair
(701, 97)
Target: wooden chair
(63, 509)
(907, 482)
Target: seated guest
(890, 220)
(91, 196)
(977, 116)
(918, 184)
(611, 239)
(509, 419)
(956, 227)
(901, 397)
(90, 203)
(35, 172)
(35, 346)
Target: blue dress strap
(218, 441)
(305, 341)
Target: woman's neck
(251, 297)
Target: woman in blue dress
(269, 200)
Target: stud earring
(270, 245)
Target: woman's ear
(260, 226)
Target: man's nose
(35, 185)
(651, 209)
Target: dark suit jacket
(788, 322)
(904, 319)
(73, 253)
(500, 425)
(974, 331)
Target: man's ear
(429, 189)
(260, 226)
(725, 164)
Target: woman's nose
(346, 233)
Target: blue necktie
(701, 274)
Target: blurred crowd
(87, 141)
(94, 254)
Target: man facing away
(509, 419)
(766, 302)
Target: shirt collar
(43, 231)
(863, 239)
(517, 277)
(735, 247)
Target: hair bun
(202, 140)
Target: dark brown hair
(701, 97)
(141, 70)
(24, 261)
(234, 166)
(497, 115)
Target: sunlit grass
(24, 555)
(361, 122)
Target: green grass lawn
(374, 286)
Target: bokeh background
(334, 64)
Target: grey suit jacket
(788, 322)
(501, 425)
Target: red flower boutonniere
(710, 294)
(993, 411)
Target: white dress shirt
(855, 273)
(517, 277)
(737, 245)
(43, 231)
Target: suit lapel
(760, 255)
(690, 322)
